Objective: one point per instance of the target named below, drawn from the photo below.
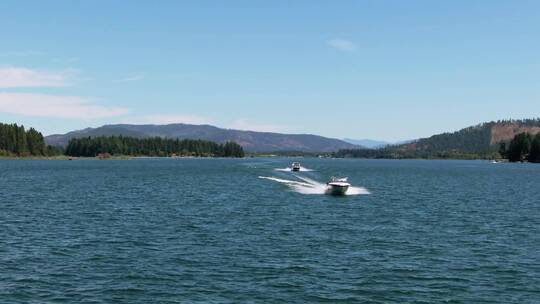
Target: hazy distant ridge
(368, 143)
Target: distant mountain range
(250, 140)
(374, 144)
(368, 143)
(482, 139)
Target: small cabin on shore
(104, 155)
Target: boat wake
(289, 169)
(309, 186)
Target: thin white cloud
(243, 124)
(56, 106)
(159, 119)
(13, 77)
(342, 44)
(134, 77)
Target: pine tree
(502, 149)
(534, 154)
(519, 147)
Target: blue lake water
(213, 231)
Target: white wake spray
(309, 186)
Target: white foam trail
(309, 186)
(357, 191)
(302, 169)
(285, 181)
(309, 180)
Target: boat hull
(337, 189)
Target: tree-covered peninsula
(16, 141)
(155, 146)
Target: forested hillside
(480, 141)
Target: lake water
(213, 230)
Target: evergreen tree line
(155, 146)
(528, 122)
(15, 140)
(523, 147)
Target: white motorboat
(337, 186)
(295, 166)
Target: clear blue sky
(387, 70)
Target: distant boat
(337, 186)
(295, 166)
(495, 161)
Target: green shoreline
(62, 157)
(119, 157)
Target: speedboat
(337, 186)
(295, 166)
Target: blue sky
(387, 70)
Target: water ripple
(211, 231)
